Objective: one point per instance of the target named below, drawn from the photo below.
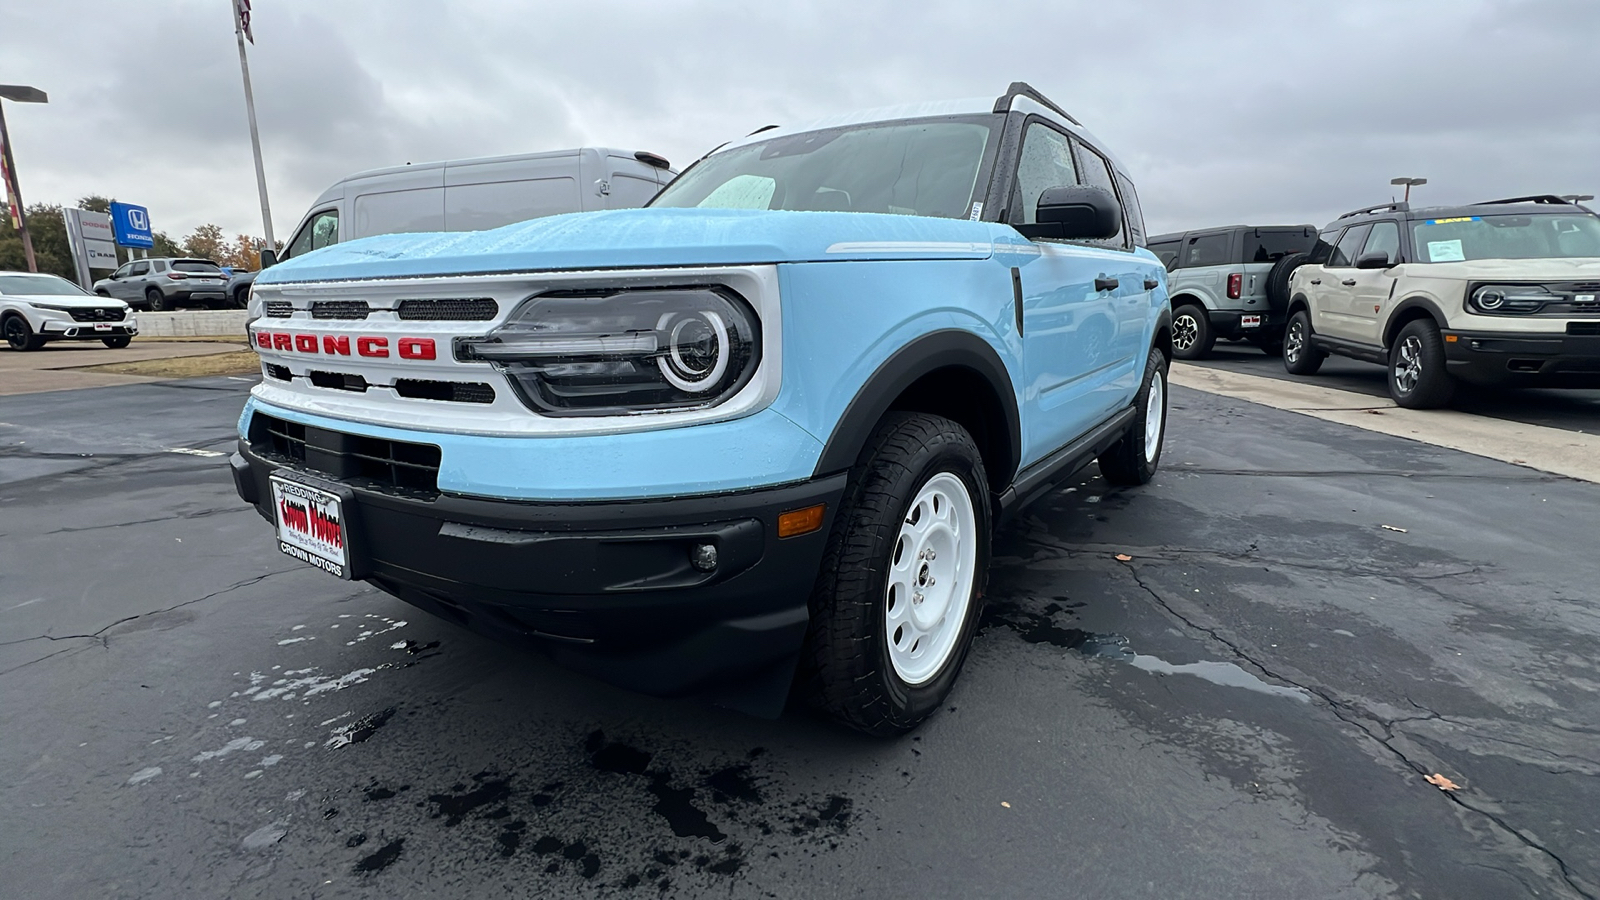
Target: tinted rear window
(1167, 252)
(195, 265)
(1271, 246)
(1323, 249)
(1207, 250)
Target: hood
(634, 238)
(70, 301)
(1513, 270)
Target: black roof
(1175, 235)
(1531, 205)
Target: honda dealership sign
(131, 225)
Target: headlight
(50, 306)
(1512, 299)
(586, 354)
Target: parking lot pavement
(1310, 620)
(1567, 410)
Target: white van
(472, 195)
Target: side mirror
(269, 257)
(1379, 260)
(1075, 213)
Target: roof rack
(1023, 89)
(1383, 207)
(1534, 198)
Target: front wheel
(897, 599)
(1417, 376)
(1192, 337)
(1133, 459)
(1300, 356)
(19, 334)
(117, 342)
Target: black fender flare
(1297, 303)
(949, 348)
(1163, 323)
(1393, 325)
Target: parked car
(165, 283)
(471, 195)
(36, 309)
(760, 430)
(1502, 293)
(1231, 283)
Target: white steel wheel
(930, 579)
(1155, 416)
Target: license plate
(101, 326)
(1249, 321)
(311, 526)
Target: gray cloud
(1250, 111)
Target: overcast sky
(1224, 111)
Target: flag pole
(250, 107)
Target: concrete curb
(192, 323)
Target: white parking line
(189, 452)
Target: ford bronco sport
(760, 430)
(1504, 293)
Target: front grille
(450, 391)
(339, 381)
(1583, 328)
(339, 309)
(378, 463)
(480, 309)
(99, 314)
(281, 373)
(278, 309)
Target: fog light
(704, 557)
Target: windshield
(920, 167)
(40, 285)
(1507, 237)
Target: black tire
(240, 299)
(1278, 280)
(102, 293)
(1192, 337)
(1270, 346)
(19, 334)
(117, 342)
(846, 670)
(1417, 375)
(1130, 461)
(156, 301)
(1300, 356)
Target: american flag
(242, 11)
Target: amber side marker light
(1450, 339)
(800, 521)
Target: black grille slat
(1583, 328)
(99, 314)
(281, 373)
(339, 309)
(447, 391)
(278, 309)
(472, 309)
(379, 463)
(339, 381)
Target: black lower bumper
(606, 587)
(1230, 324)
(1523, 360)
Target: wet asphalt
(1246, 706)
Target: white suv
(36, 308)
(1504, 293)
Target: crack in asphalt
(1363, 719)
(105, 642)
(201, 514)
(1528, 475)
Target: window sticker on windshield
(1445, 251)
(1456, 219)
(977, 211)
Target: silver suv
(1231, 283)
(165, 283)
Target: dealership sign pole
(8, 166)
(241, 31)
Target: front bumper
(69, 329)
(605, 587)
(1520, 359)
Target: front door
(1374, 287)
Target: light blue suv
(752, 438)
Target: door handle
(1106, 284)
(1348, 282)
(1316, 281)
(1151, 284)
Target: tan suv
(1503, 293)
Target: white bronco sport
(1504, 293)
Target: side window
(1345, 252)
(1167, 252)
(158, 265)
(1097, 173)
(1045, 162)
(122, 270)
(1131, 210)
(1385, 238)
(1322, 250)
(140, 268)
(1207, 250)
(322, 230)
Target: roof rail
(1023, 89)
(1383, 207)
(1534, 198)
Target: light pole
(1409, 183)
(19, 216)
(241, 31)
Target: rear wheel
(1192, 337)
(1417, 376)
(1300, 356)
(19, 334)
(898, 596)
(1133, 459)
(117, 342)
(158, 301)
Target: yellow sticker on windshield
(1456, 219)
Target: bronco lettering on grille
(376, 347)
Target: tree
(207, 242)
(50, 249)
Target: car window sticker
(1445, 251)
